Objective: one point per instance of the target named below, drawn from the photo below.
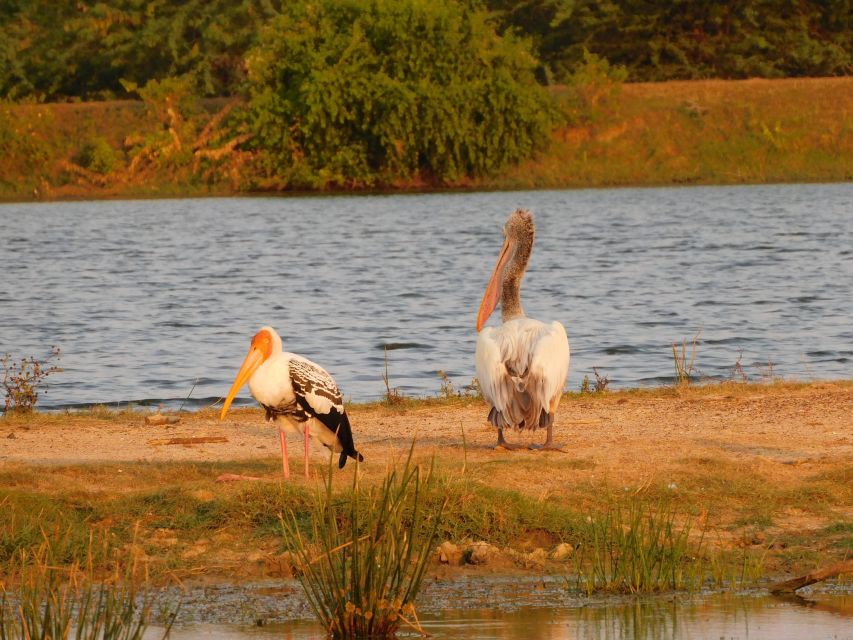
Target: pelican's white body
(522, 367)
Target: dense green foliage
(688, 39)
(54, 50)
(360, 92)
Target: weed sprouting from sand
(601, 381)
(638, 547)
(599, 386)
(392, 395)
(684, 368)
(738, 374)
(447, 390)
(23, 380)
(767, 373)
(363, 565)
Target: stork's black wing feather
(317, 393)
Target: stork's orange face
(259, 351)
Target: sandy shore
(769, 465)
(634, 437)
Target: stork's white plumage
(522, 364)
(297, 394)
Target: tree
(365, 92)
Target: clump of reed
(51, 602)
(736, 569)
(363, 564)
(684, 367)
(393, 395)
(638, 547)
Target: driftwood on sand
(159, 418)
(195, 440)
(789, 586)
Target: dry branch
(224, 150)
(206, 133)
(196, 440)
(789, 586)
(235, 477)
(94, 178)
(159, 418)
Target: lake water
(151, 299)
(501, 608)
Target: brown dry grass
(704, 132)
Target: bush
(593, 88)
(98, 156)
(22, 381)
(365, 92)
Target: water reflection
(660, 618)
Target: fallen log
(196, 440)
(790, 586)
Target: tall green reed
(365, 560)
(47, 601)
(638, 547)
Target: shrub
(98, 155)
(22, 381)
(365, 92)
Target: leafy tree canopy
(687, 39)
(52, 50)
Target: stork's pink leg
(307, 437)
(284, 464)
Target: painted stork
(522, 364)
(298, 395)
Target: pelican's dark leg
(503, 444)
(549, 442)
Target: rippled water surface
(148, 298)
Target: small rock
(481, 553)
(281, 566)
(562, 551)
(535, 559)
(758, 538)
(449, 553)
(12, 435)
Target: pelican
(298, 395)
(522, 364)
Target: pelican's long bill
(493, 290)
(254, 359)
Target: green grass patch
(635, 546)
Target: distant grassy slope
(705, 132)
(696, 132)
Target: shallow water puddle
(537, 610)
